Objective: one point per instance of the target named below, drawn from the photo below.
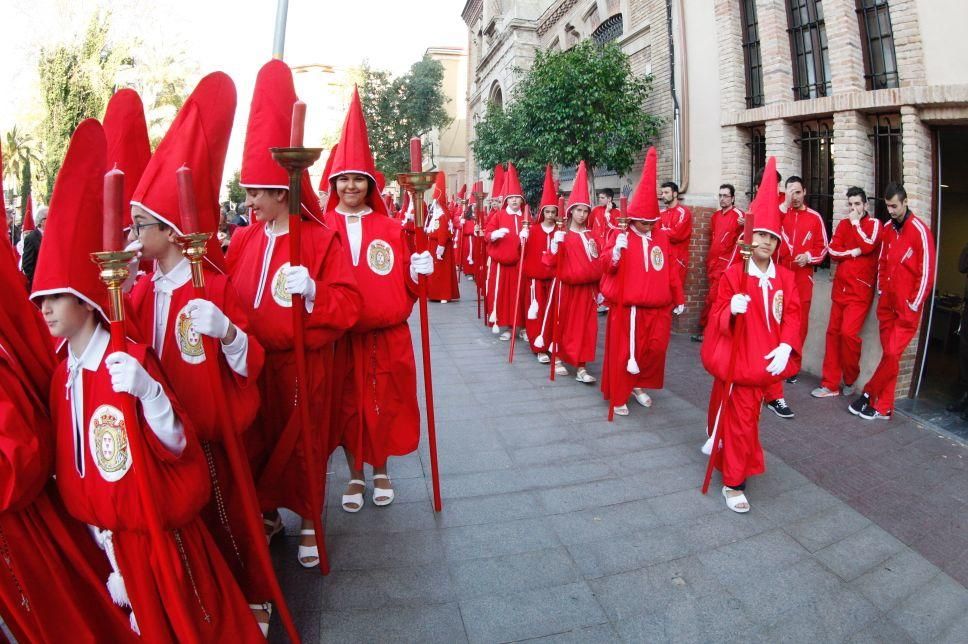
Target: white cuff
(237, 353)
(161, 419)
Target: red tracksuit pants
(841, 359)
(896, 331)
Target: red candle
(623, 205)
(186, 200)
(298, 124)
(748, 229)
(416, 155)
(561, 207)
(113, 235)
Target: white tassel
(539, 342)
(117, 589)
(495, 329)
(134, 624)
(533, 309)
(492, 318)
(632, 366)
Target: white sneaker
(584, 377)
(444, 301)
(506, 336)
(544, 358)
(823, 392)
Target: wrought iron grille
(610, 29)
(877, 34)
(757, 146)
(753, 62)
(808, 44)
(888, 159)
(817, 167)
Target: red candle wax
(113, 235)
(298, 124)
(623, 205)
(748, 229)
(561, 207)
(186, 200)
(416, 154)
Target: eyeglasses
(139, 227)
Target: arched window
(610, 29)
(497, 96)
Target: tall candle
(113, 235)
(561, 208)
(298, 124)
(748, 229)
(623, 205)
(186, 200)
(416, 154)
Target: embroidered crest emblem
(189, 342)
(279, 293)
(379, 257)
(592, 249)
(778, 306)
(658, 259)
(109, 443)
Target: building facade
(448, 147)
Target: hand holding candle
(186, 201)
(298, 124)
(113, 235)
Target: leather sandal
(382, 497)
(733, 501)
(308, 552)
(274, 527)
(263, 626)
(354, 499)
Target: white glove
(298, 282)
(421, 264)
(679, 309)
(739, 303)
(855, 252)
(524, 235)
(499, 233)
(128, 376)
(621, 243)
(128, 283)
(780, 356)
(440, 253)
(559, 236)
(208, 319)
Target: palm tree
(18, 153)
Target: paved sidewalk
(560, 526)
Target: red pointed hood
(765, 207)
(579, 190)
(128, 145)
(75, 221)
(512, 185)
(549, 194)
(498, 186)
(199, 139)
(440, 188)
(324, 179)
(354, 155)
(462, 193)
(28, 223)
(270, 126)
(645, 202)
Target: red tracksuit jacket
(906, 266)
(856, 276)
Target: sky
(233, 36)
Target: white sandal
(642, 398)
(544, 358)
(622, 410)
(561, 369)
(307, 552)
(584, 377)
(733, 501)
(386, 494)
(264, 627)
(355, 499)
(275, 527)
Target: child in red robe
(442, 285)
(643, 292)
(261, 271)
(574, 254)
(751, 342)
(540, 276)
(502, 232)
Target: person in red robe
(375, 410)
(746, 356)
(905, 279)
(173, 319)
(677, 222)
(725, 227)
(442, 285)
(854, 248)
(540, 276)
(465, 250)
(604, 218)
(574, 254)
(265, 280)
(91, 388)
(502, 232)
(643, 291)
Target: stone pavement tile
(733, 563)
(716, 618)
(566, 474)
(490, 509)
(440, 623)
(635, 550)
(456, 486)
(831, 617)
(554, 453)
(826, 527)
(582, 496)
(722, 528)
(307, 623)
(684, 506)
(530, 613)
(397, 517)
(779, 478)
(621, 442)
(375, 550)
(666, 481)
(599, 634)
(658, 458)
(496, 539)
(463, 462)
(602, 523)
(957, 634)
(388, 587)
(894, 579)
(514, 572)
(792, 505)
(860, 552)
(880, 631)
(933, 609)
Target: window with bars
(888, 161)
(609, 30)
(757, 146)
(817, 168)
(877, 36)
(753, 62)
(808, 45)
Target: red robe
(677, 222)
(773, 317)
(100, 488)
(580, 271)
(724, 231)
(442, 285)
(52, 583)
(605, 224)
(376, 410)
(229, 406)
(275, 449)
(540, 290)
(646, 284)
(502, 280)
(466, 254)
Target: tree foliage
(235, 190)
(581, 104)
(397, 109)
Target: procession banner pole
(525, 224)
(556, 303)
(279, 37)
(478, 244)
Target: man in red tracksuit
(905, 279)
(854, 248)
(677, 222)
(725, 227)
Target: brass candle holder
(194, 246)
(295, 160)
(417, 183)
(113, 267)
(479, 213)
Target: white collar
(755, 271)
(635, 230)
(362, 213)
(93, 354)
(178, 276)
(513, 212)
(270, 232)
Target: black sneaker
(696, 338)
(780, 408)
(859, 404)
(792, 380)
(869, 413)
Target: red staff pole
(623, 224)
(477, 243)
(555, 326)
(194, 246)
(113, 265)
(525, 224)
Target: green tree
(19, 151)
(235, 190)
(397, 109)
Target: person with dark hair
(677, 222)
(725, 227)
(31, 243)
(854, 250)
(905, 279)
(604, 218)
